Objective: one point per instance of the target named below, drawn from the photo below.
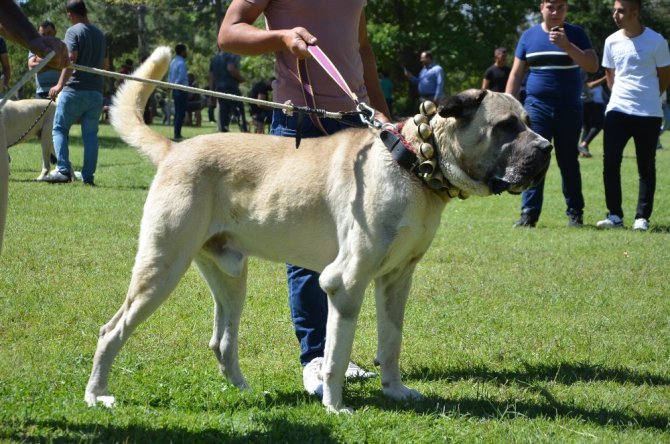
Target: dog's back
(19, 116)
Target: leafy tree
(461, 34)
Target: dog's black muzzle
(530, 173)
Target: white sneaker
(612, 221)
(355, 372)
(313, 381)
(641, 224)
(311, 377)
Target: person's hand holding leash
(297, 40)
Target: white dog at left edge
(24, 119)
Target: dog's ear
(462, 104)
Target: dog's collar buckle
(401, 151)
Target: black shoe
(575, 220)
(584, 151)
(526, 220)
(89, 183)
(57, 177)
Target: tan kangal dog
(15, 119)
(18, 117)
(339, 205)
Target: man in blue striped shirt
(554, 51)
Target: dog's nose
(545, 147)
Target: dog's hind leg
(226, 275)
(391, 292)
(46, 141)
(159, 265)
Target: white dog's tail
(128, 108)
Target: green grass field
(513, 335)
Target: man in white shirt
(637, 63)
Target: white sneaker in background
(641, 224)
(354, 371)
(311, 377)
(313, 381)
(612, 221)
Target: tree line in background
(461, 34)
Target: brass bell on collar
(427, 150)
(453, 192)
(425, 131)
(419, 119)
(427, 108)
(436, 181)
(428, 166)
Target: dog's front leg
(345, 296)
(391, 292)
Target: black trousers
(618, 130)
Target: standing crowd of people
(554, 59)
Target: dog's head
(485, 145)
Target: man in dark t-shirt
(6, 71)
(495, 77)
(225, 76)
(260, 114)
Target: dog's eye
(507, 125)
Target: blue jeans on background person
(307, 301)
(562, 124)
(180, 99)
(86, 107)
(666, 117)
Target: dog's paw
(400, 392)
(339, 410)
(106, 400)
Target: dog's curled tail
(126, 114)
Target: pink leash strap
(330, 69)
(328, 66)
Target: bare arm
(33, 61)
(65, 75)
(486, 83)
(587, 59)
(16, 26)
(370, 75)
(235, 73)
(596, 82)
(609, 73)
(6, 71)
(663, 78)
(238, 34)
(515, 77)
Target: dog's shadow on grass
(274, 430)
(534, 378)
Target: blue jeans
(86, 107)
(308, 303)
(180, 102)
(666, 117)
(562, 124)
